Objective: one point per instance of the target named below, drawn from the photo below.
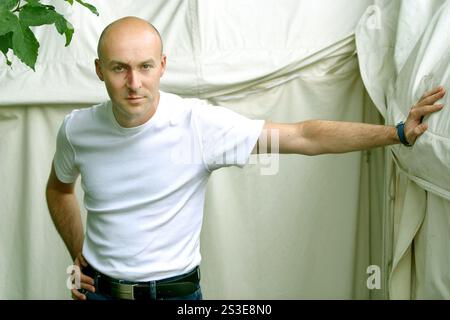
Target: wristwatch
(401, 134)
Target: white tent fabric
(309, 231)
(404, 50)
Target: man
(145, 209)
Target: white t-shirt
(145, 186)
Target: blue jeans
(196, 295)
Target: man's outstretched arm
(314, 137)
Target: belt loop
(96, 277)
(153, 290)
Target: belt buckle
(122, 290)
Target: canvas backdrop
(310, 229)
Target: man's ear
(163, 64)
(98, 69)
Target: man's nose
(133, 80)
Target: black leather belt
(167, 288)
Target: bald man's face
(131, 65)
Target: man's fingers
(88, 287)
(431, 99)
(432, 92)
(86, 279)
(76, 295)
(416, 133)
(420, 112)
(420, 129)
(86, 283)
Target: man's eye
(147, 66)
(118, 69)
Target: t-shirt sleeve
(226, 137)
(64, 159)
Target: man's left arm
(314, 137)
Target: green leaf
(8, 22)
(15, 32)
(23, 42)
(37, 16)
(69, 33)
(5, 45)
(6, 42)
(64, 27)
(8, 4)
(8, 62)
(34, 3)
(89, 6)
(25, 45)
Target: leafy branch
(16, 18)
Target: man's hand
(86, 283)
(414, 127)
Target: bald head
(125, 26)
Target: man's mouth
(135, 100)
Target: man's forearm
(65, 214)
(315, 137)
(337, 137)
